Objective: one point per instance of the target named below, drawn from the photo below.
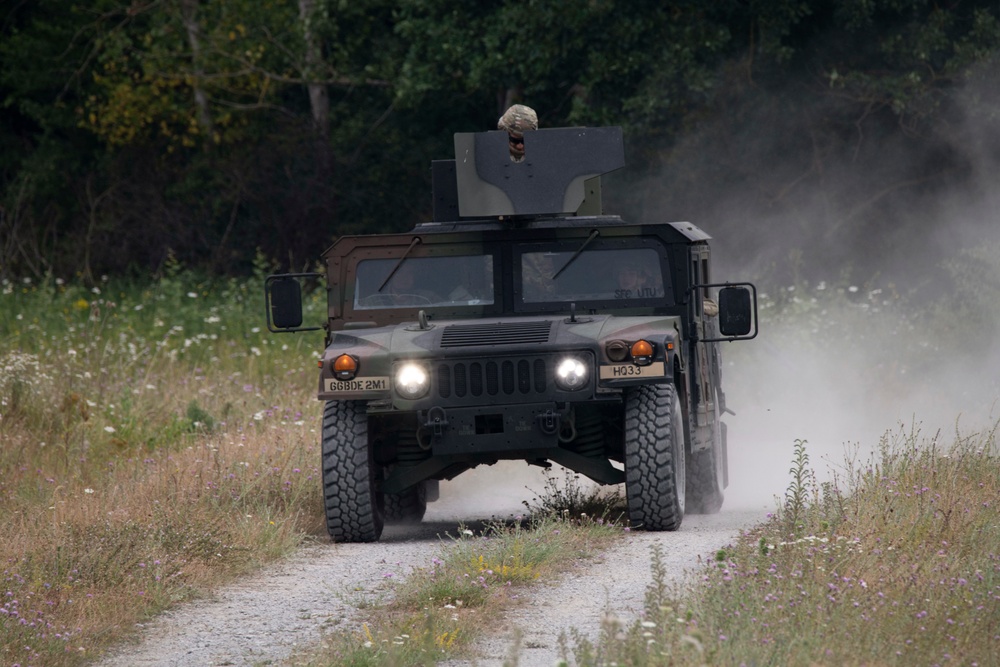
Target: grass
(902, 567)
(153, 447)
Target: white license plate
(357, 384)
(625, 371)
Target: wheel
(654, 457)
(354, 509)
(407, 507)
(706, 474)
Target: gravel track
(264, 618)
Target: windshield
(465, 280)
(622, 275)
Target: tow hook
(548, 422)
(436, 420)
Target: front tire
(354, 508)
(654, 457)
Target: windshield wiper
(593, 235)
(413, 243)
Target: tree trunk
(189, 11)
(319, 99)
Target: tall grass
(155, 442)
(901, 567)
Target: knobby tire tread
(407, 507)
(351, 503)
(653, 460)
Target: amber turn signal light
(642, 352)
(345, 367)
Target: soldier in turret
(517, 120)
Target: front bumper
(491, 430)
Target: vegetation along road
(266, 617)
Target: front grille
(505, 377)
(502, 333)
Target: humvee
(521, 323)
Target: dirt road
(264, 618)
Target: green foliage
(121, 345)
(593, 63)
(797, 493)
(221, 127)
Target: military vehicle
(521, 323)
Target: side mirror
(286, 303)
(283, 302)
(735, 311)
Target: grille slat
(492, 381)
(507, 369)
(523, 376)
(507, 333)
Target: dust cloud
(492, 492)
(879, 273)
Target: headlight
(571, 374)
(412, 381)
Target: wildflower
(109, 429)
(88, 491)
